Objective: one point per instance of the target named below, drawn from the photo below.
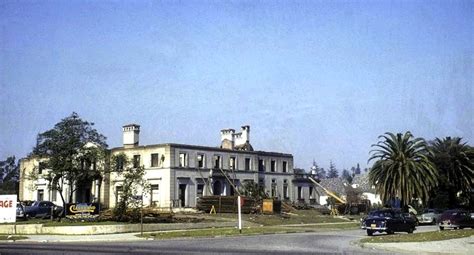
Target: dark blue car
(43, 209)
(389, 221)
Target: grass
(420, 237)
(213, 232)
(299, 217)
(12, 237)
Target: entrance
(217, 188)
(182, 194)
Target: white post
(240, 214)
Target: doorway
(182, 194)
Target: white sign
(7, 208)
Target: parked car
(413, 217)
(20, 211)
(455, 219)
(429, 216)
(43, 209)
(389, 221)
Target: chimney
(227, 139)
(246, 133)
(131, 134)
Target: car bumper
(374, 228)
(445, 225)
(425, 220)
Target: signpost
(240, 213)
(7, 208)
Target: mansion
(178, 174)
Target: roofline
(200, 147)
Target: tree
(357, 170)
(332, 173)
(73, 151)
(454, 161)
(133, 185)
(402, 168)
(9, 174)
(320, 172)
(346, 175)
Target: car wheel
(369, 232)
(461, 227)
(455, 228)
(441, 228)
(410, 231)
(433, 222)
(390, 232)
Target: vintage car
(429, 216)
(389, 221)
(455, 219)
(20, 211)
(43, 209)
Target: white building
(177, 173)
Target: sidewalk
(452, 246)
(82, 238)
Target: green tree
(73, 152)
(9, 174)
(402, 168)
(455, 163)
(133, 185)
(346, 175)
(332, 172)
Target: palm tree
(403, 169)
(455, 163)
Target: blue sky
(318, 79)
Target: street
(341, 242)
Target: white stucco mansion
(177, 173)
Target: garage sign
(7, 208)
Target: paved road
(340, 242)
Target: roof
(208, 148)
(363, 183)
(335, 185)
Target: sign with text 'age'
(7, 208)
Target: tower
(131, 133)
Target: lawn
(213, 232)
(297, 217)
(420, 237)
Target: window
(261, 165)
(136, 161)
(285, 166)
(200, 190)
(247, 164)
(54, 193)
(154, 160)
(183, 160)
(232, 163)
(155, 194)
(200, 160)
(285, 189)
(273, 165)
(274, 188)
(300, 192)
(217, 161)
(118, 193)
(261, 183)
(119, 163)
(40, 195)
(311, 193)
(41, 167)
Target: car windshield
(381, 214)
